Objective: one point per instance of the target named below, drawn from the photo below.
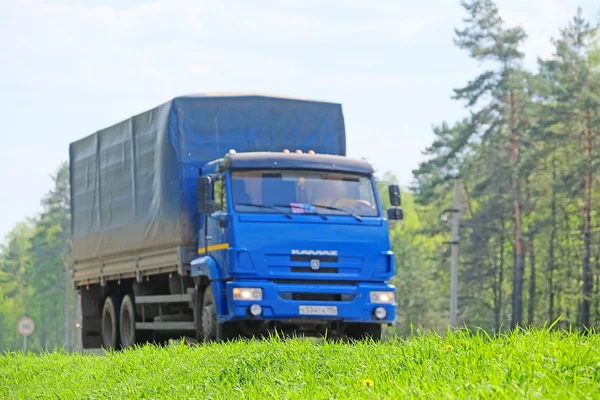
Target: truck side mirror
(395, 214)
(205, 204)
(395, 195)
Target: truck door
(217, 226)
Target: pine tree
(574, 104)
(52, 249)
(490, 138)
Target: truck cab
(292, 241)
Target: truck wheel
(208, 316)
(364, 331)
(128, 334)
(110, 323)
(208, 328)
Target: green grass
(531, 364)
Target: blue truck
(226, 215)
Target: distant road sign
(25, 326)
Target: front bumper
(282, 301)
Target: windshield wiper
(314, 212)
(265, 206)
(338, 209)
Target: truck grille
(331, 259)
(326, 270)
(312, 282)
(301, 296)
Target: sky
(69, 68)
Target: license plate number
(318, 310)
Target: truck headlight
(383, 297)
(247, 293)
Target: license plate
(318, 310)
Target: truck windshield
(303, 192)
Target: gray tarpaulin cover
(133, 185)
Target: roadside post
(26, 327)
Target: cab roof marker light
(311, 152)
(231, 151)
(286, 151)
(298, 151)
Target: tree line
(526, 158)
(35, 275)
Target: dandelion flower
(449, 347)
(368, 382)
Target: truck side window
(220, 191)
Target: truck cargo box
(133, 184)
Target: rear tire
(110, 323)
(128, 333)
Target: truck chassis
(124, 311)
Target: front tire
(110, 323)
(208, 327)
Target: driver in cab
(334, 193)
